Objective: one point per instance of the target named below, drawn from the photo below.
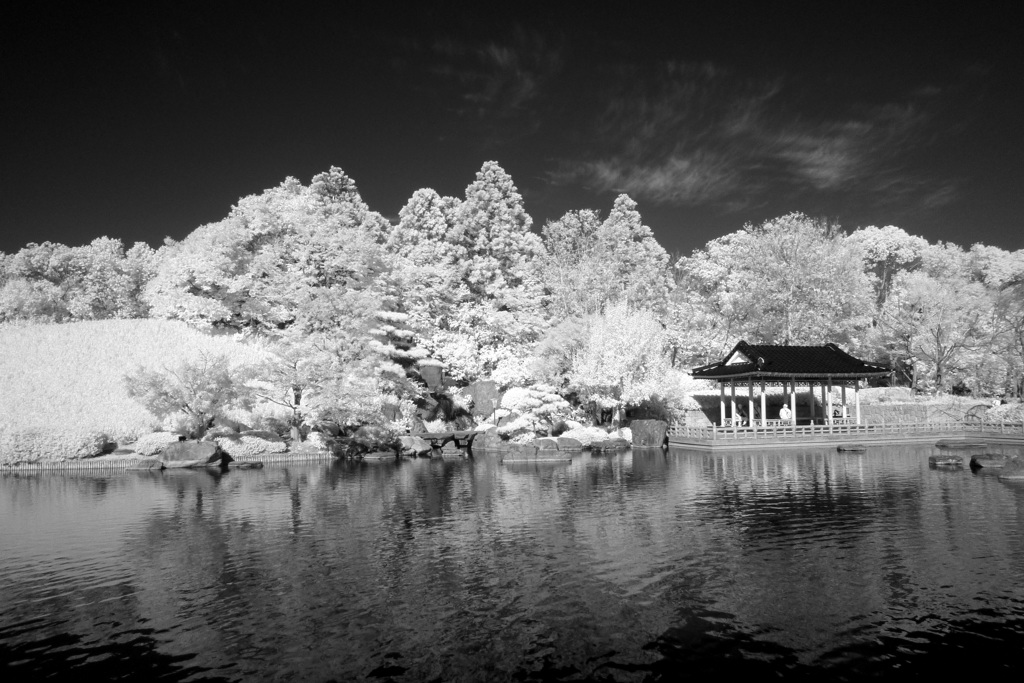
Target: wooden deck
(789, 436)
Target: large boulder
(488, 441)
(522, 450)
(413, 445)
(546, 444)
(193, 454)
(1013, 469)
(649, 433)
(485, 395)
(609, 445)
(433, 375)
(228, 423)
(989, 461)
(567, 443)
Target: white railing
(775, 429)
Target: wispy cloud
(700, 134)
(497, 78)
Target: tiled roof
(765, 360)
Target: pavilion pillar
(856, 399)
(732, 390)
(828, 410)
(792, 401)
(843, 398)
(764, 413)
(721, 405)
(810, 394)
(750, 401)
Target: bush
(201, 390)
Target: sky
(150, 119)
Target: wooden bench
(842, 420)
(778, 423)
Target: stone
(567, 443)
(485, 397)
(546, 444)
(194, 453)
(231, 425)
(949, 461)
(959, 445)
(612, 444)
(523, 450)
(379, 455)
(989, 461)
(236, 465)
(649, 433)
(329, 428)
(413, 445)
(489, 440)
(1013, 469)
(433, 375)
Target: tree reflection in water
(634, 566)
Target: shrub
(151, 444)
(200, 389)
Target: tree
(791, 280)
(200, 390)
(58, 283)
(590, 262)
(271, 256)
(935, 321)
(887, 252)
(470, 285)
(624, 360)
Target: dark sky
(151, 119)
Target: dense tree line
(590, 308)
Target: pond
(647, 565)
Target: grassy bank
(62, 383)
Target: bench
(778, 423)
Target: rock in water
(546, 444)
(413, 445)
(192, 454)
(567, 443)
(649, 433)
(945, 461)
(1013, 469)
(488, 441)
(988, 461)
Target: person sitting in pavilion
(785, 414)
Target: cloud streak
(702, 135)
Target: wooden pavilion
(763, 365)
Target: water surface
(642, 566)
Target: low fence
(121, 464)
(776, 431)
